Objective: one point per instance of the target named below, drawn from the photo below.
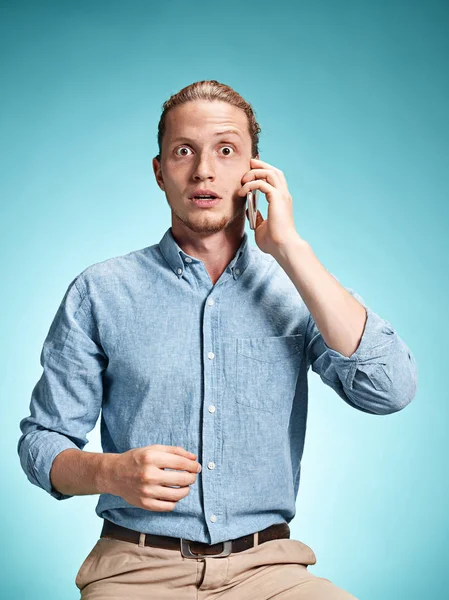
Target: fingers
(160, 492)
(181, 478)
(258, 184)
(260, 163)
(264, 174)
(174, 457)
(158, 505)
(177, 450)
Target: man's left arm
(354, 351)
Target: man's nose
(204, 167)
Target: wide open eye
(181, 148)
(227, 148)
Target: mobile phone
(251, 201)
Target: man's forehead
(199, 118)
(185, 133)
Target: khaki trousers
(115, 569)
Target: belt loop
(256, 538)
(142, 540)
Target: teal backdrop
(352, 99)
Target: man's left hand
(278, 229)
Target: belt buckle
(185, 549)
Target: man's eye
(182, 148)
(227, 148)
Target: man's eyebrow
(229, 132)
(225, 132)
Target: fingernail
(199, 469)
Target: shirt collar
(180, 260)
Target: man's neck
(215, 250)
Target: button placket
(211, 448)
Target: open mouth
(205, 201)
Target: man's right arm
(139, 475)
(66, 401)
(80, 473)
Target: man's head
(194, 153)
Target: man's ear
(158, 173)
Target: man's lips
(203, 192)
(204, 203)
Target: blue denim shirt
(167, 357)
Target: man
(199, 347)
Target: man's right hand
(138, 476)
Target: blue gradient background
(352, 99)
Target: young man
(198, 348)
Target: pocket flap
(269, 349)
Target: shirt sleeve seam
(89, 315)
(51, 349)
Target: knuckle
(149, 476)
(147, 457)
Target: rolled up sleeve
(66, 401)
(380, 377)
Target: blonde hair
(210, 90)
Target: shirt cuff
(54, 444)
(377, 335)
(374, 347)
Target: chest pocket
(267, 371)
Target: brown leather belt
(192, 549)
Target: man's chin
(205, 226)
(208, 224)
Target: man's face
(195, 155)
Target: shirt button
(179, 271)
(211, 301)
(237, 271)
(211, 465)
(188, 259)
(213, 518)
(210, 355)
(211, 408)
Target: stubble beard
(205, 223)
